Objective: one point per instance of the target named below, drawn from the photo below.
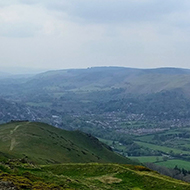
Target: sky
(60, 34)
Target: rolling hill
(45, 144)
(138, 81)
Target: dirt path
(13, 140)
(12, 131)
(13, 143)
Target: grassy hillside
(44, 144)
(90, 176)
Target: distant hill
(105, 78)
(163, 93)
(130, 80)
(45, 144)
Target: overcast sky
(58, 34)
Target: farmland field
(161, 148)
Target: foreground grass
(92, 176)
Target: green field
(161, 148)
(146, 138)
(159, 161)
(175, 162)
(144, 159)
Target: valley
(143, 114)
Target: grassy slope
(44, 144)
(88, 177)
(114, 176)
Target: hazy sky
(57, 34)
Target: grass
(175, 162)
(86, 177)
(145, 138)
(114, 176)
(161, 148)
(118, 147)
(45, 144)
(144, 159)
(105, 140)
(159, 161)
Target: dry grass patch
(108, 179)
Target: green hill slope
(45, 144)
(91, 176)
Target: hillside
(92, 176)
(44, 144)
(105, 78)
(138, 81)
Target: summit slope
(45, 144)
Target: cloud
(19, 20)
(18, 30)
(83, 33)
(116, 11)
(7, 3)
(29, 2)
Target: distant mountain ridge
(132, 80)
